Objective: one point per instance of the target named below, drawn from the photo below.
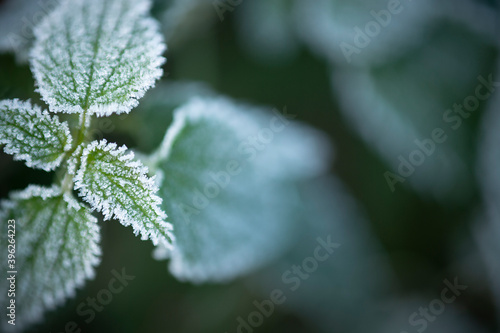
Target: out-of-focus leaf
(364, 31)
(227, 183)
(391, 106)
(347, 280)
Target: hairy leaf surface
(97, 56)
(56, 243)
(116, 185)
(32, 135)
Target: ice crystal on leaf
(56, 242)
(97, 56)
(93, 58)
(116, 185)
(32, 135)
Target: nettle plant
(225, 172)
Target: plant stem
(67, 180)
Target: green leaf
(56, 249)
(368, 32)
(396, 108)
(32, 135)
(233, 207)
(330, 28)
(112, 183)
(97, 56)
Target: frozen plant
(230, 200)
(90, 59)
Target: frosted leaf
(97, 56)
(329, 28)
(233, 207)
(117, 186)
(392, 106)
(32, 135)
(57, 249)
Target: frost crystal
(233, 206)
(97, 56)
(32, 135)
(57, 248)
(112, 183)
